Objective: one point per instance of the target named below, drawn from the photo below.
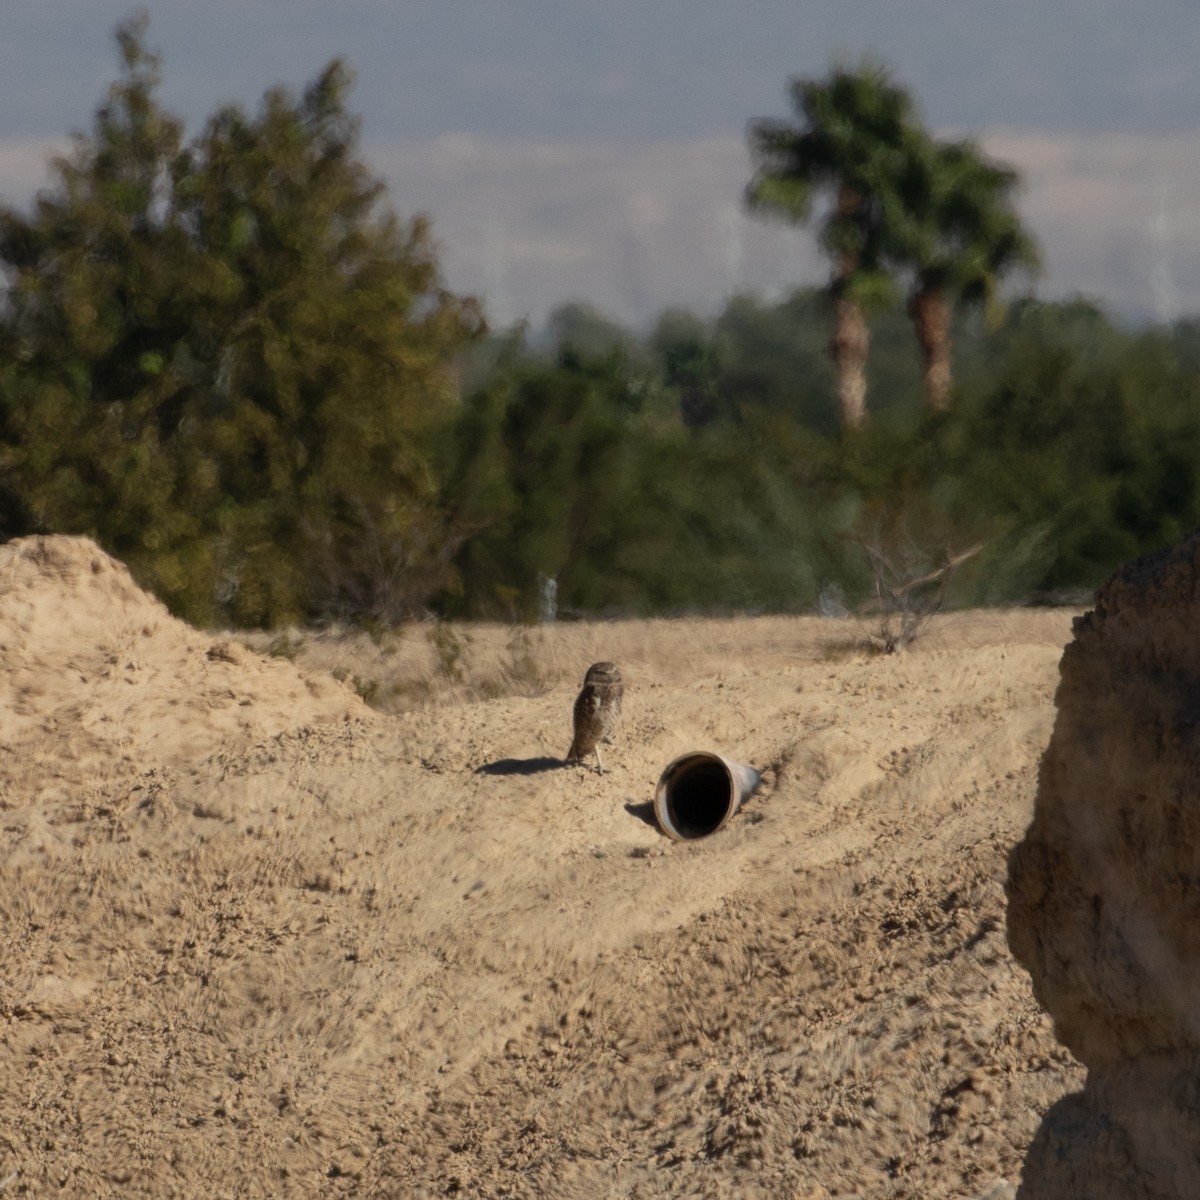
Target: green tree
(689, 356)
(234, 359)
(330, 368)
(1072, 446)
(775, 356)
(544, 476)
(849, 146)
(101, 279)
(957, 231)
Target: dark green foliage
(1072, 445)
(1094, 440)
(230, 362)
(94, 305)
(547, 451)
(777, 356)
(850, 139)
(584, 471)
(955, 228)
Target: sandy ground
(261, 939)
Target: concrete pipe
(698, 792)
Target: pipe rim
(664, 810)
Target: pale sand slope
(261, 940)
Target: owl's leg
(599, 762)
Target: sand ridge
(261, 939)
(100, 680)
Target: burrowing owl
(597, 708)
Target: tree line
(228, 360)
(704, 465)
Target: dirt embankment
(262, 940)
(1105, 891)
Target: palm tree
(958, 233)
(856, 131)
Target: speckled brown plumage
(597, 708)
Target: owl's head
(602, 672)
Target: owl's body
(597, 708)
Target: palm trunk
(930, 315)
(849, 345)
(851, 337)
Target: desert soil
(261, 938)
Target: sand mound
(1105, 890)
(262, 949)
(98, 680)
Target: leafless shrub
(910, 585)
(382, 571)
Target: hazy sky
(595, 149)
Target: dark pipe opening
(699, 796)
